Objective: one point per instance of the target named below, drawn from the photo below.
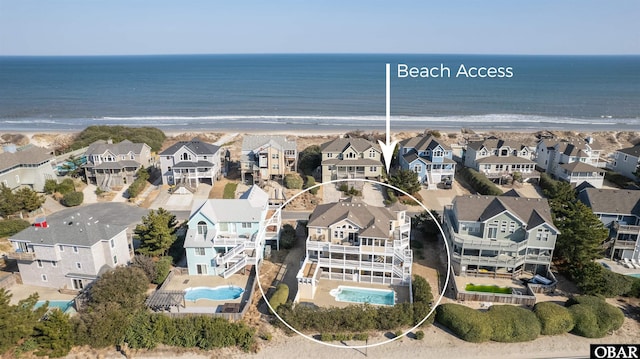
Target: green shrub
(310, 182)
(593, 279)
(287, 236)
(479, 182)
(487, 289)
(266, 336)
(419, 335)
(326, 337)
(50, 186)
(163, 267)
(139, 183)
(230, 190)
(293, 181)
(593, 317)
(343, 187)
(73, 199)
(468, 324)
(554, 319)
(391, 197)
(398, 333)
(149, 135)
(512, 324)
(361, 336)
(280, 296)
(66, 186)
(9, 227)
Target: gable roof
(247, 208)
(341, 144)
(253, 142)
(28, 155)
(571, 147)
(76, 227)
(504, 159)
(532, 211)
(496, 143)
(614, 201)
(578, 166)
(196, 146)
(122, 148)
(372, 221)
(423, 143)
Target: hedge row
(479, 182)
(139, 183)
(585, 316)
(279, 297)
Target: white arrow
(387, 148)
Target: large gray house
(69, 251)
(500, 236)
(26, 166)
(625, 161)
(115, 164)
(190, 163)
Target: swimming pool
(637, 275)
(63, 305)
(364, 295)
(223, 292)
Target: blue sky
(95, 27)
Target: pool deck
(22, 291)
(324, 299)
(182, 282)
(617, 267)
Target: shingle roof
(253, 142)
(372, 221)
(618, 201)
(76, 228)
(122, 148)
(341, 144)
(578, 166)
(247, 208)
(356, 162)
(196, 146)
(31, 155)
(423, 143)
(504, 160)
(480, 208)
(633, 151)
(496, 143)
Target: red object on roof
(41, 222)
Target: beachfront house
(349, 158)
(619, 211)
(189, 163)
(229, 235)
(267, 156)
(429, 158)
(574, 161)
(353, 241)
(26, 166)
(70, 251)
(499, 236)
(625, 162)
(501, 159)
(112, 165)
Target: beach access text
(442, 71)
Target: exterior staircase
(235, 268)
(232, 253)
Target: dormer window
(372, 153)
(186, 157)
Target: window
(61, 248)
(543, 234)
(132, 157)
(112, 243)
(202, 228)
(512, 227)
(275, 156)
(493, 232)
(186, 157)
(373, 169)
(168, 157)
(199, 251)
(329, 155)
(351, 155)
(275, 166)
(246, 224)
(54, 264)
(78, 265)
(44, 277)
(77, 284)
(115, 259)
(123, 157)
(625, 158)
(503, 227)
(318, 230)
(372, 154)
(75, 249)
(39, 262)
(417, 168)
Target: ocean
(316, 91)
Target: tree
(581, 235)
(54, 335)
(157, 232)
(287, 236)
(8, 201)
(405, 180)
(28, 199)
(72, 199)
(17, 321)
(147, 265)
(293, 181)
(73, 166)
(426, 224)
(125, 286)
(310, 159)
(50, 186)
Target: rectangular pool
(637, 275)
(364, 295)
(63, 305)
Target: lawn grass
(230, 190)
(487, 289)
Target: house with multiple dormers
(353, 241)
(619, 211)
(429, 158)
(625, 161)
(69, 251)
(115, 164)
(499, 236)
(349, 158)
(574, 161)
(498, 158)
(225, 236)
(267, 156)
(26, 166)
(189, 163)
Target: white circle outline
(433, 308)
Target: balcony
(625, 228)
(624, 244)
(22, 256)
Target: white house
(574, 161)
(190, 163)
